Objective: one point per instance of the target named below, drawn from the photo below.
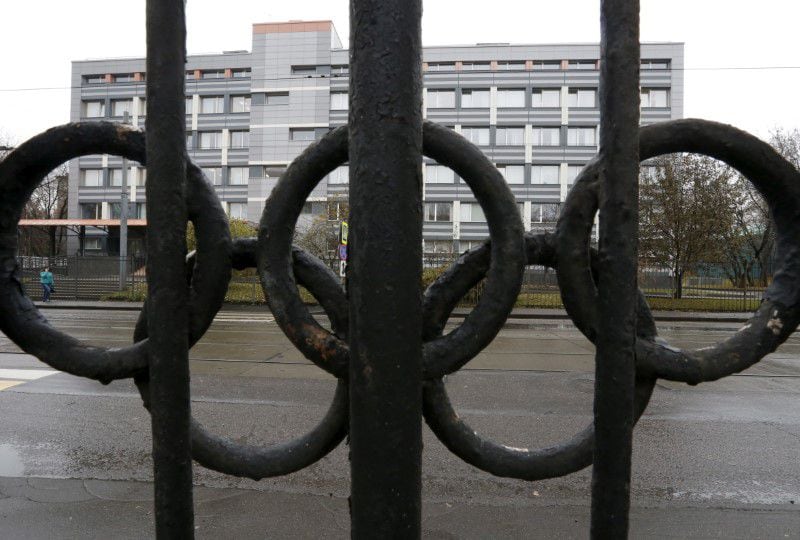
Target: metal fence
(385, 346)
(86, 278)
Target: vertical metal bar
(123, 218)
(385, 267)
(619, 219)
(166, 241)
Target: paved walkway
(518, 313)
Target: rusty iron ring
(779, 314)
(442, 354)
(498, 459)
(257, 462)
(20, 172)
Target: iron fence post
(166, 277)
(618, 246)
(385, 267)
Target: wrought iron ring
(20, 172)
(441, 355)
(498, 459)
(252, 461)
(779, 314)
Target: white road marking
(25, 374)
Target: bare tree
(686, 205)
(321, 237)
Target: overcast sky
(39, 38)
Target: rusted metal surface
(386, 344)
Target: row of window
(237, 73)
(541, 98)
(473, 213)
(95, 210)
(212, 140)
(540, 136)
(514, 174)
(208, 105)
(237, 176)
(502, 65)
(94, 178)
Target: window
(211, 104)
(437, 246)
(510, 98)
(308, 208)
(135, 210)
(340, 70)
(142, 181)
(582, 64)
(302, 134)
(94, 79)
(476, 135)
(92, 243)
(544, 174)
(242, 73)
(654, 97)
(510, 136)
(123, 77)
(441, 99)
(472, 213)
(541, 65)
(340, 175)
(115, 177)
(212, 74)
(545, 212)
(546, 98)
(474, 99)
(582, 97)
(92, 177)
(189, 141)
(655, 64)
(339, 101)
(441, 66)
(514, 174)
(304, 70)
(438, 211)
(214, 174)
(240, 104)
(238, 176)
(237, 210)
(511, 66)
(581, 136)
(90, 210)
(572, 173)
(546, 136)
(189, 104)
(121, 106)
(94, 109)
(210, 139)
(439, 174)
(475, 66)
(240, 139)
(189, 74)
(276, 98)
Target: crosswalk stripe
(25, 374)
(8, 384)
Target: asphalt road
(717, 460)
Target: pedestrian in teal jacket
(46, 279)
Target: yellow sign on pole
(343, 228)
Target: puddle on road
(10, 461)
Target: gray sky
(39, 38)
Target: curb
(459, 314)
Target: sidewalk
(78, 508)
(521, 314)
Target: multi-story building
(532, 109)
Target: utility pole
(123, 221)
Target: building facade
(532, 109)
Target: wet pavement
(717, 460)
